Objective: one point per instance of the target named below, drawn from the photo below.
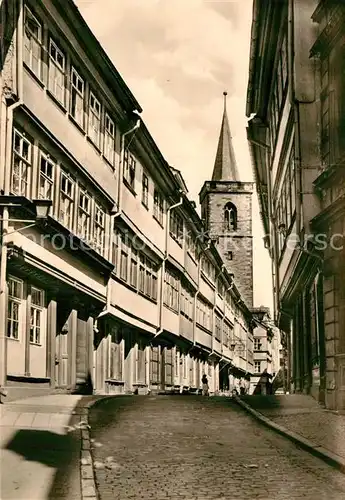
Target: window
(155, 365)
(15, 296)
(129, 169)
(158, 206)
(176, 227)
(278, 91)
(32, 42)
(257, 345)
(257, 365)
(286, 201)
(221, 287)
(84, 215)
(191, 243)
(115, 250)
(21, 164)
(134, 268)
(171, 290)
(227, 334)
(99, 229)
(230, 217)
(145, 190)
(147, 277)
(109, 140)
(208, 268)
(325, 112)
(124, 259)
(218, 328)
(46, 180)
(187, 303)
(36, 315)
(56, 81)
(66, 207)
(204, 314)
(142, 274)
(94, 119)
(77, 97)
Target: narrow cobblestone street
(177, 447)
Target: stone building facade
(295, 90)
(120, 290)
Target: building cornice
(331, 33)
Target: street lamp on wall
(40, 208)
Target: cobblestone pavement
(186, 447)
(301, 414)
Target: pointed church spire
(225, 167)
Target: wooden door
(62, 347)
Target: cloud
(178, 56)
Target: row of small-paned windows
(67, 86)
(286, 202)
(204, 314)
(23, 309)
(208, 268)
(257, 344)
(187, 303)
(227, 334)
(73, 205)
(218, 329)
(191, 243)
(278, 91)
(134, 267)
(176, 227)
(325, 112)
(171, 290)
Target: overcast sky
(177, 57)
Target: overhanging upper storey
(269, 17)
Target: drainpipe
(214, 307)
(6, 168)
(119, 182)
(118, 212)
(167, 233)
(198, 291)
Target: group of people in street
(205, 388)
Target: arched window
(230, 217)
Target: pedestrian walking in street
(204, 385)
